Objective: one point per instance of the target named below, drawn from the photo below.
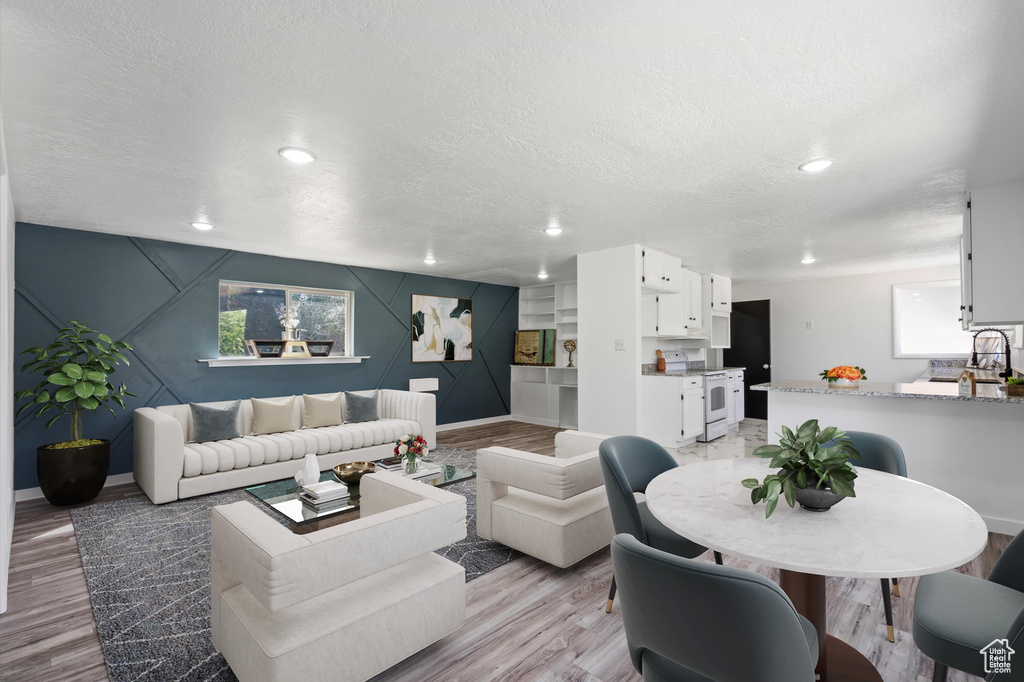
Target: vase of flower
(844, 376)
(411, 449)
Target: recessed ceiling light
(296, 155)
(554, 230)
(202, 226)
(259, 291)
(808, 260)
(429, 260)
(816, 165)
(542, 275)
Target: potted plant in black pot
(76, 369)
(814, 469)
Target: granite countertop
(922, 390)
(650, 370)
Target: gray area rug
(148, 571)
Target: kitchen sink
(953, 380)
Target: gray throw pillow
(360, 408)
(214, 423)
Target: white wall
(6, 372)
(609, 309)
(852, 318)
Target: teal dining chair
(691, 621)
(629, 464)
(881, 453)
(958, 617)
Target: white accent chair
(552, 508)
(343, 603)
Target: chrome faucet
(1007, 373)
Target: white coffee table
(894, 528)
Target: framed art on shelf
(442, 329)
(527, 348)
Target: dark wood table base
(837, 660)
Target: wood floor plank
(525, 620)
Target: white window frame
(349, 297)
(897, 351)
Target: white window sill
(266, 362)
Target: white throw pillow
(272, 416)
(321, 411)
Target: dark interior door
(752, 348)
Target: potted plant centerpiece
(1015, 387)
(75, 369)
(811, 472)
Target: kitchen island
(971, 447)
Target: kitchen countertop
(920, 389)
(649, 370)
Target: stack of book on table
(392, 464)
(395, 465)
(325, 495)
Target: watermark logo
(997, 655)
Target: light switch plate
(620, 344)
(810, 325)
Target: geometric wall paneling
(64, 269)
(180, 263)
(161, 297)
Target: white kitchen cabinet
(661, 414)
(672, 409)
(673, 274)
(663, 315)
(696, 308)
(653, 270)
(693, 407)
(993, 239)
(734, 403)
(721, 293)
(671, 315)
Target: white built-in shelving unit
(548, 395)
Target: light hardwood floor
(525, 620)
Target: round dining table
(894, 528)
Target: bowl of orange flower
(844, 376)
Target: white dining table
(895, 527)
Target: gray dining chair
(956, 616)
(629, 464)
(691, 621)
(881, 453)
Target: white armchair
(343, 603)
(552, 508)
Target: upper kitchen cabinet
(993, 240)
(720, 289)
(694, 289)
(661, 271)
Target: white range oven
(716, 423)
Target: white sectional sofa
(342, 603)
(168, 467)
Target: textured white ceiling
(460, 128)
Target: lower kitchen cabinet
(672, 409)
(736, 391)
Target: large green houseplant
(811, 470)
(76, 370)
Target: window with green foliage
(263, 312)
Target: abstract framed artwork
(442, 329)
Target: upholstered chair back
(629, 464)
(725, 623)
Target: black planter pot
(817, 499)
(73, 475)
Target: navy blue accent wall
(161, 297)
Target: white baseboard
(36, 493)
(1003, 526)
(474, 422)
(535, 420)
